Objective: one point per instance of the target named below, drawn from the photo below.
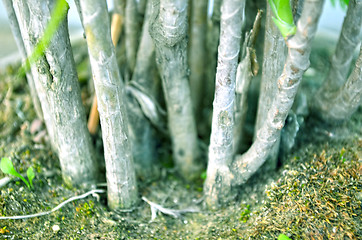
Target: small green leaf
(283, 237)
(31, 175)
(283, 17)
(7, 167)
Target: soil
(315, 194)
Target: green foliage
(245, 213)
(59, 13)
(283, 17)
(283, 237)
(342, 3)
(7, 167)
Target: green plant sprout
(343, 3)
(283, 17)
(59, 13)
(7, 167)
(283, 237)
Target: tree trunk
(141, 132)
(275, 52)
(218, 183)
(341, 60)
(58, 78)
(343, 103)
(296, 64)
(168, 28)
(19, 42)
(197, 52)
(121, 180)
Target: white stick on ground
(120, 173)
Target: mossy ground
(316, 194)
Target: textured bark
(343, 103)
(275, 52)
(197, 52)
(58, 78)
(168, 28)
(132, 29)
(296, 63)
(29, 36)
(121, 180)
(13, 22)
(245, 71)
(140, 129)
(212, 41)
(218, 181)
(340, 63)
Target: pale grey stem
(275, 52)
(140, 128)
(197, 52)
(243, 79)
(344, 102)
(109, 87)
(341, 60)
(212, 41)
(119, 7)
(141, 6)
(296, 63)
(30, 36)
(218, 182)
(60, 82)
(132, 30)
(19, 42)
(168, 28)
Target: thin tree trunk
(28, 35)
(212, 41)
(218, 181)
(296, 63)
(343, 103)
(141, 133)
(197, 52)
(340, 63)
(121, 180)
(132, 28)
(60, 83)
(168, 28)
(275, 52)
(19, 42)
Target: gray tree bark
(224, 172)
(275, 52)
(218, 181)
(197, 52)
(296, 63)
(140, 128)
(29, 39)
(121, 180)
(57, 77)
(343, 103)
(19, 43)
(168, 28)
(212, 41)
(341, 60)
(132, 30)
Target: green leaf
(283, 17)
(283, 237)
(7, 167)
(31, 175)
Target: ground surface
(316, 194)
